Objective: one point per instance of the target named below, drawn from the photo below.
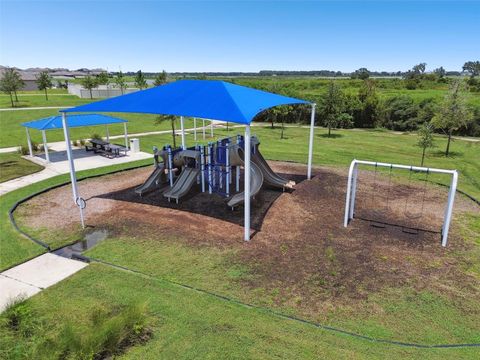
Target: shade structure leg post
(211, 128)
(354, 191)
(45, 147)
(448, 211)
(310, 143)
(227, 175)
(195, 129)
(125, 134)
(107, 133)
(209, 165)
(182, 127)
(247, 185)
(71, 164)
(29, 142)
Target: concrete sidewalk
(31, 277)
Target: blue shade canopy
(55, 122)
(208, 99)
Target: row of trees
(11, 82)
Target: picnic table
(105, 148)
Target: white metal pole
(227, 163)
(310, 143)
(29, 142)
(182, 127)
(170, 165)
(247, 184)
(125, 134)
(203, 127)
(71, 164)
(449, 209)
(211, 128)
(349, 192)
(195, 129)
(354, 191)
(45, 147)
(107, 133)
(209, 165)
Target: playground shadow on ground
(212, 205)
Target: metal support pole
(195, 129)
(203, 127)
(349, 192)
(202, 166)
(45, 147)
(211, 128)
(247, 185)
(29, 141)
(448, 211)
(310, 143)
(209, 164)
(170, 165)
(354, 191)
(227, 163)
(73, 177)
(182, 127)
(125, 134)
(107, 133)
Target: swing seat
(377, 225)
(410, 231)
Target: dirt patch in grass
(301, 253)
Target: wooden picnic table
(105, 148)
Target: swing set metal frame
(352, 188)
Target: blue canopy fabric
(55, 122)
(208, 99)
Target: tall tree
(361, 73)
(333, 110)
(172, 119)
(103, 78)
(425, 138)
(44, 82)
(10, 83)
(89, 83)
(369, 103)
(472, 67)
(453, 113)
(419, 68)
(120, 82)
(140, 80)
(160, 78)
(440, 72)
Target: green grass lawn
(191, 325)
(38, 100)
(12, 165)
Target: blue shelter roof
(55, 122)
(208, 99)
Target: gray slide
(256, 176)
(156, 180)
(184, 183)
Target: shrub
(82, 142)
(95, 136)
(24, 148)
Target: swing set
(408, 211)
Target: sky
(239, 36)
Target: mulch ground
(300, 246)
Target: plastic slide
(156, 180)
(270, 177)
(256, 176)
(184, 183)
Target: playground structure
(216, 167)
(352, 189)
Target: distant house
(29, 80)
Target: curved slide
(256, 176)
(184, 183)
(270, 177)
(156, 179)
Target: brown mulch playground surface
(299, 245)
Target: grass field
(38, 100)
(12, 165)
